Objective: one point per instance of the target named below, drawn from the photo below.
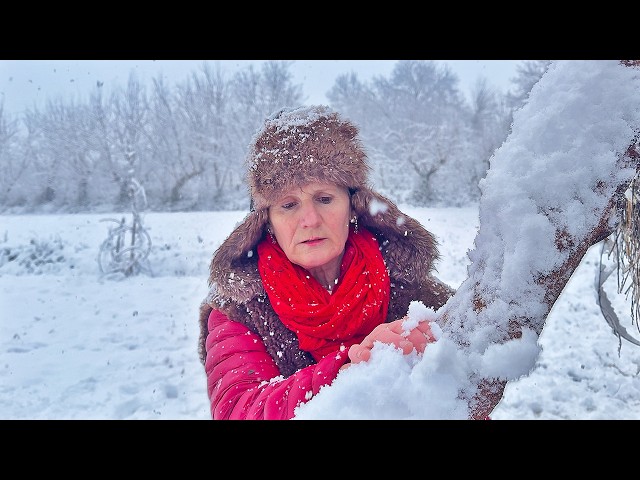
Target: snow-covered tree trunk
(549, 195)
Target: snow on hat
(299, 146)
(296, 147)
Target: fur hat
(296, 147)
(314, 144)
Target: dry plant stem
(626, 249)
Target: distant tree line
(186, 143)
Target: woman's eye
(289, 205)
(324, 199)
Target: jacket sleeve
(243, 381)
(435, 293)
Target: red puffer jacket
(244, 382)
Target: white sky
(79, 346)
(24, 83)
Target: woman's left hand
(393, 333)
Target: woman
(320, 269)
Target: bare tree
(202, 107)
(527, 75)
(130, 138)
(414, 124)
(103, 119)
(14, 163)
(258, 94)
(67, 139)
(490, 119)
(38, 184)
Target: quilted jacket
(254, 367)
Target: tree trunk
(485, 393)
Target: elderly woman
(320, 269)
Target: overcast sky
(26, 83)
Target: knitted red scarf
(323, 321)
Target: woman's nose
(309, 215)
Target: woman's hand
(393, 333)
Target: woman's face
(311, 225)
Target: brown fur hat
(314, 144)
(296, 147)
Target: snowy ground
(77, 345)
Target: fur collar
(408, 248)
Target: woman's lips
(313, 241)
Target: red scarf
(323, 321)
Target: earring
(354, 220)
(273, 239)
